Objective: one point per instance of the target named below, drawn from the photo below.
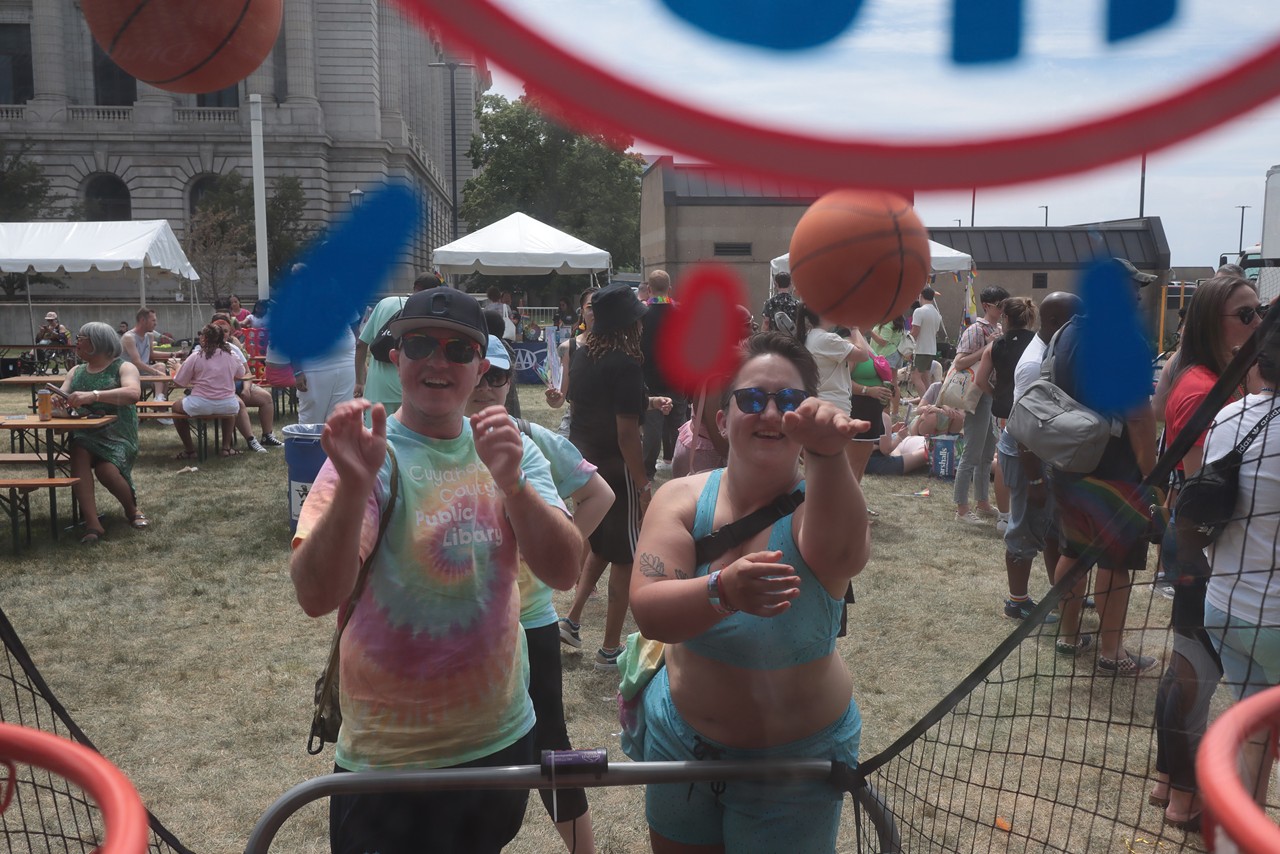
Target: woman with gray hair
(104, 384)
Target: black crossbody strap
(719, 541)
(1257, 428)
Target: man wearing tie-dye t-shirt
(432, 665)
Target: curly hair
(215, 339)
(626, 339)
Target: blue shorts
(1250, 653)
(743, 816)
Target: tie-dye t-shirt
(570, 472)
(433, 670)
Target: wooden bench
(199, 426)
(31, 457)
(18, 501)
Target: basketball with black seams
(187, 46)
(859, 258)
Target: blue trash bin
(304, 457)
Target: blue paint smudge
(794, 25)
(334, 280)
(1129, 18)
(986, 31)
(1113, 372)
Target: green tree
(585, 184)
(26, 195)
(231, 196)
(215, 246)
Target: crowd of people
(738, 565)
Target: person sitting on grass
(104, 384)
(211, 373)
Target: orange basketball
(185, 46)
(858, 258)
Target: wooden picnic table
(56, 444)
(35, 383)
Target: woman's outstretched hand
(820, 427)
(756, 584)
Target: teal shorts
(743, 816)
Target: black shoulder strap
(719, 541)
(1257, 428)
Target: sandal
(1083, 643)
(186, 455)
(92, 538)
(1130, 665)
(139, 521)
(1191, 823)
(230, 452)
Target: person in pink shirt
(210, 375)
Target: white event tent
(944, 260)
(148, 246)
(520, 245)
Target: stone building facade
(353, 94)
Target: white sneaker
(167, 422)
(971, 518)
(255, 445)
(663, 465)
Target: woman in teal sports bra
(751, 668)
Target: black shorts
(457, 821)
(924, 361)
(879, 464)
(614, 539)
(1105, 521)
(868, 409)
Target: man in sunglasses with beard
(433, 672)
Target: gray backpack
(1061, 431)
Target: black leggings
(549, 732)
(1182, 701)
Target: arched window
(199, 188)
(106, 199)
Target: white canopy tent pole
(31, 312)
(259, 193)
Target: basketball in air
(859, 258)
(184, 46)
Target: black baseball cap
(446, 307)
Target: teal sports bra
(804, 632)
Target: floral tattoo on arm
(652, 566)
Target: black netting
(49, 813)
(1038, 750)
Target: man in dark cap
(432, 663)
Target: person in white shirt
(326, 380)
(1031, 530)
(1242, 604)
(926, 321)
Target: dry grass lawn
(181, 651)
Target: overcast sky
(890, 77)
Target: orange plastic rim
(1227, 804)
(124, 818)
